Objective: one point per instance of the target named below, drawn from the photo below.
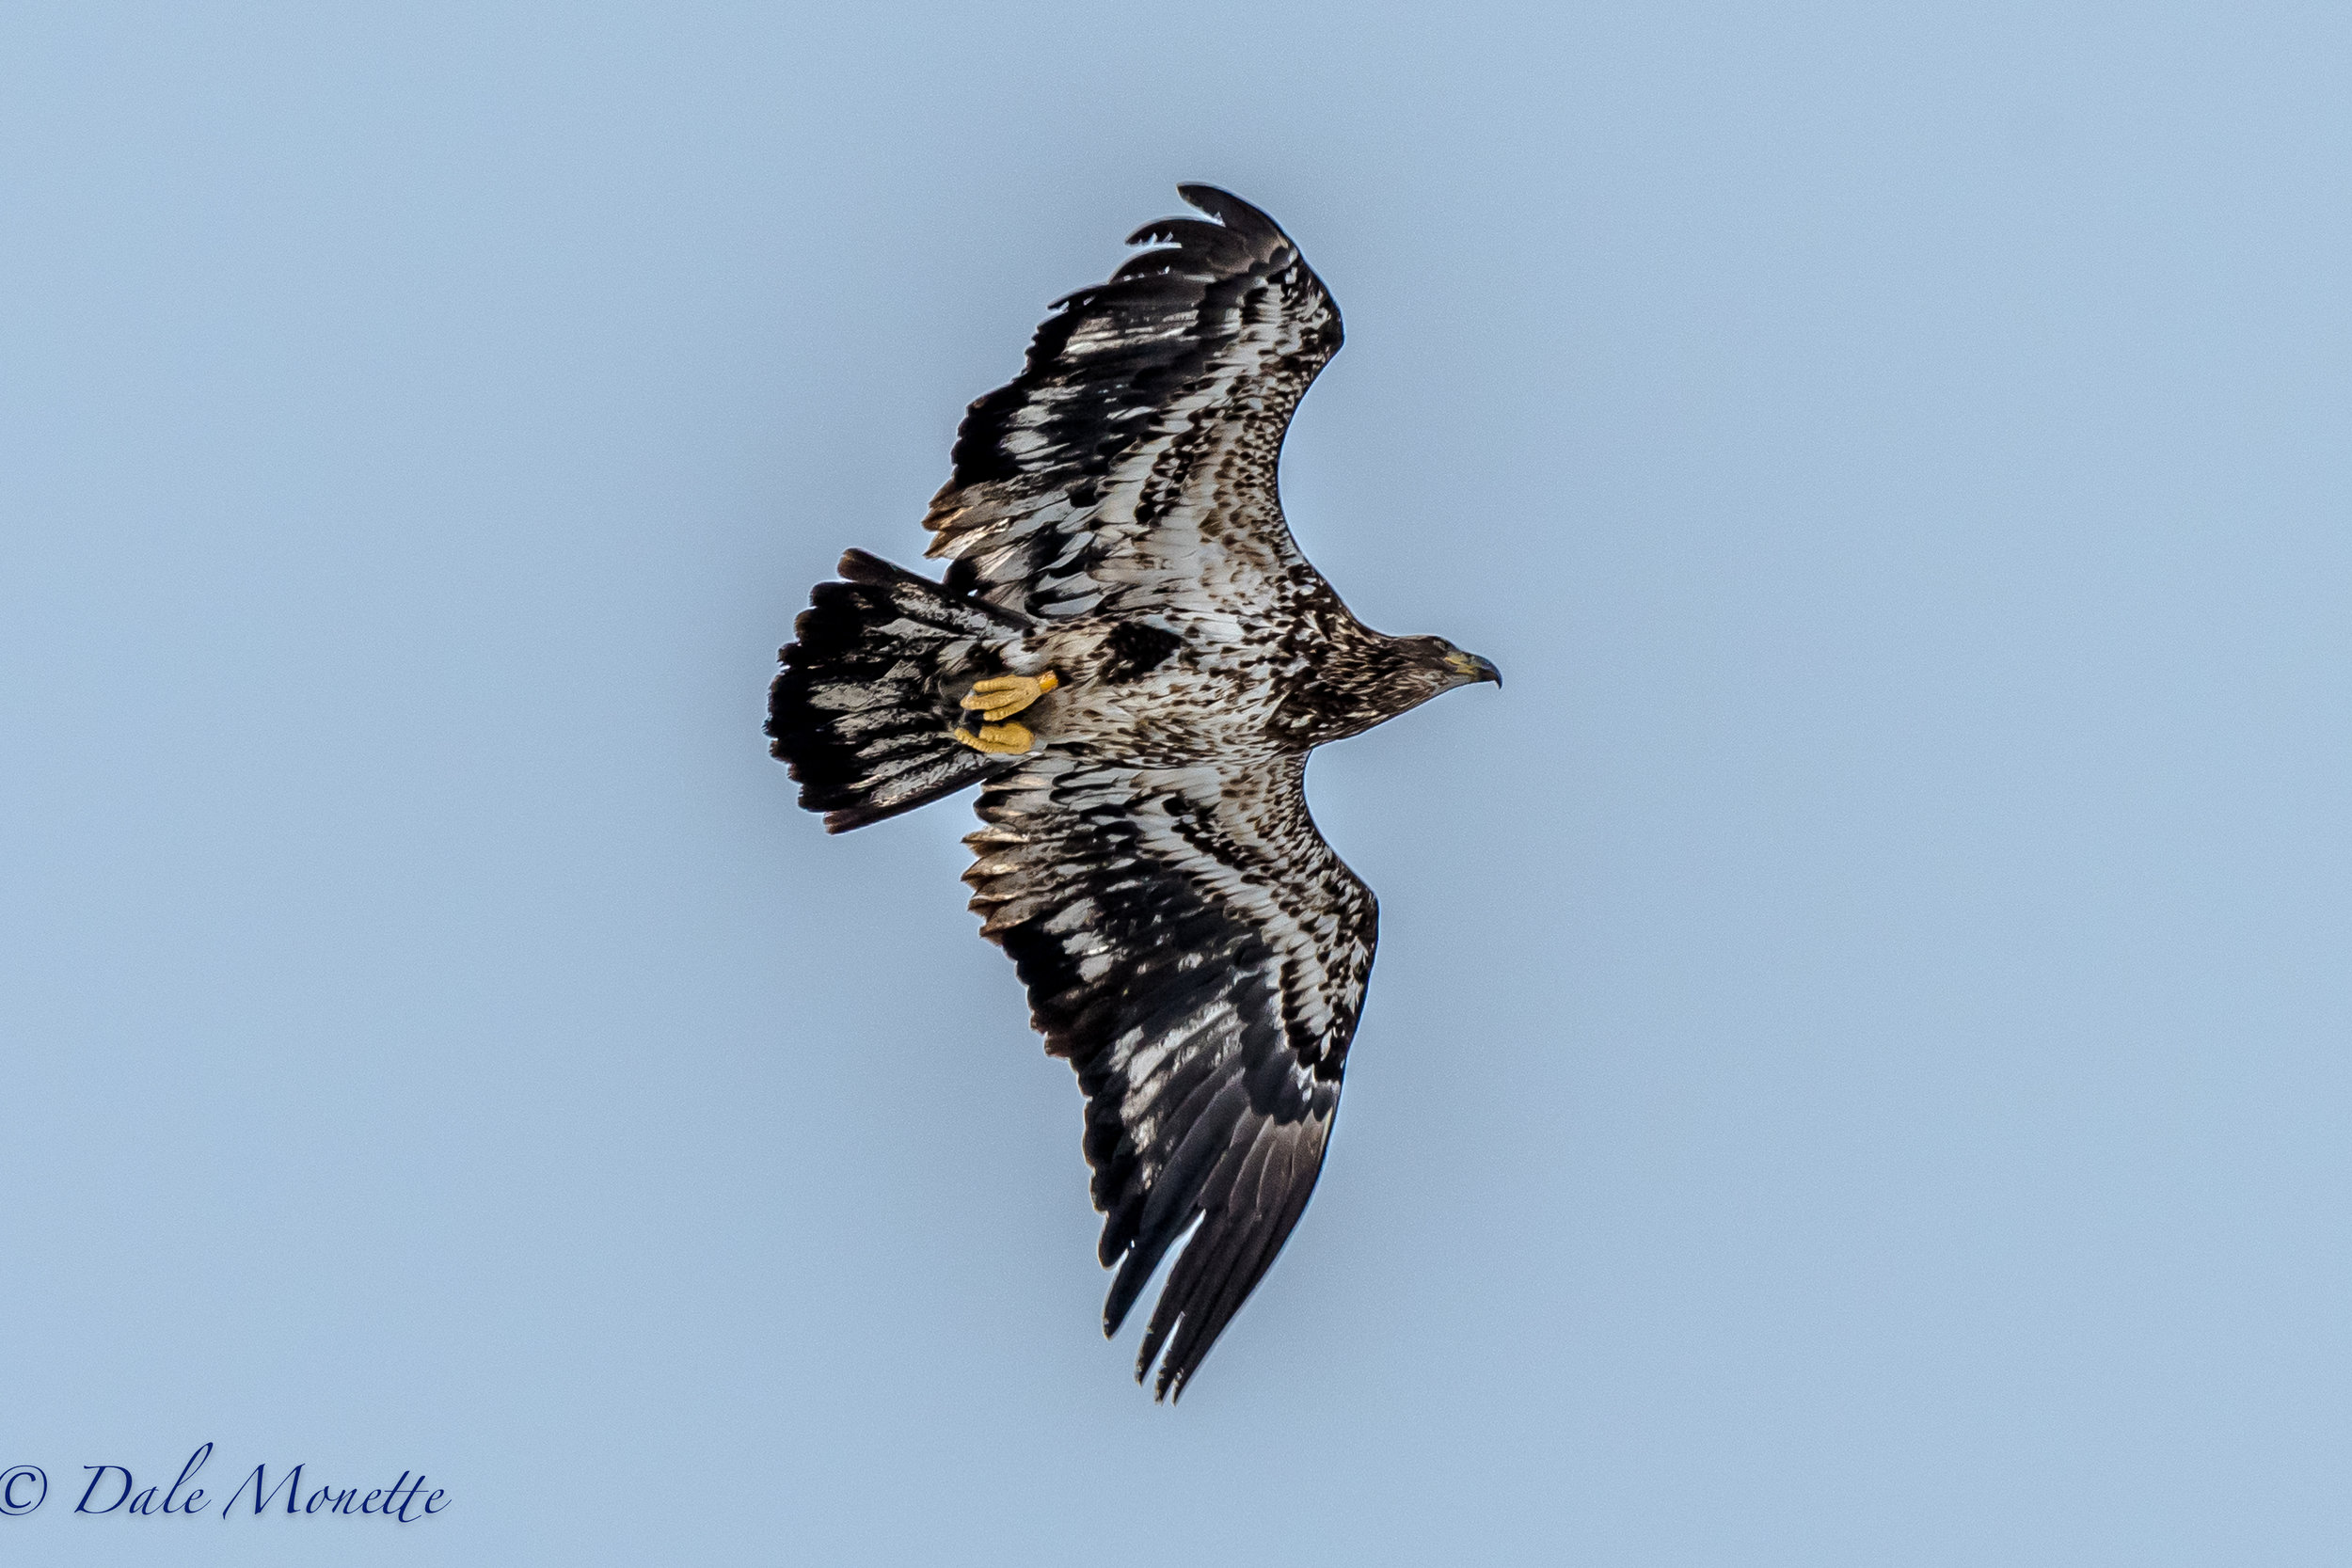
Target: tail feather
(869, 692)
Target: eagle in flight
(1132, 659)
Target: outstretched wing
(1198, 952)
(1132, 462)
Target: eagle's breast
(1165, 690)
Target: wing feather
(1133, 460)
(1199, 954)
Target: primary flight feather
(1131, 658)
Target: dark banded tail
(870, 688)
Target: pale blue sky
(1856, 1072)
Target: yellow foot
(997, 740)
(1001, 698)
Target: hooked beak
(1477, 669)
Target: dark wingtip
(1127, 1288)
(1230, 211)
(856, 565)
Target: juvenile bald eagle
(1131, 658)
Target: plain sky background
(1857, 1069)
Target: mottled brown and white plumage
(1189, 941)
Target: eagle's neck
(1352, 677)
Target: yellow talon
(1007, 740)
(1003, 696)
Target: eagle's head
(1428, 665)
(1370, 679)
(1446, 666)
